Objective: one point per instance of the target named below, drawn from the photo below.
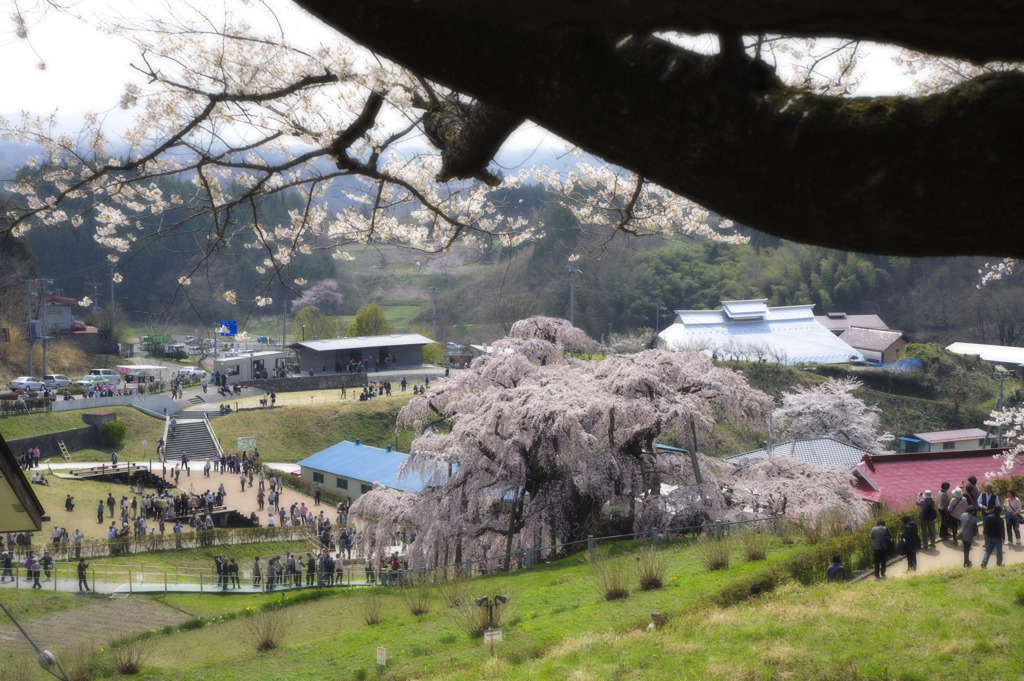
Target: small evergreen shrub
(113, 433)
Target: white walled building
(750, 330)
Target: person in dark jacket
(968, 530)
(881, 542)
(912, 541)
(83, 582)
(995, 534)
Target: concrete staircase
(192, 436)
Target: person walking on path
(926, 515)
(257, 574)
(912, 542)
(968, 530)
(994, 536)
(958, 505)
(83, 582)
(944, 524)
(1013, 513)
(8, 565)
(233, 574)
(32, 569)
(99, 513)
(881, 542)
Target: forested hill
(623, 282)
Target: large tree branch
(976, 30)
(939, 175)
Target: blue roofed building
(353, 469)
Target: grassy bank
(557, 626)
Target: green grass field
(944, 625)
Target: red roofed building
(897, 479)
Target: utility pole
(433, 316)
(573, 271)
(113, 333)
(37, 289)
(1000, 376)
(31, 335)
(658, 309)
(42, 313)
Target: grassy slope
(295, 432)
(935, 626)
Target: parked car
(192, 372)
(53, 381)
(95, 380)
(109, 373)
(26, 383)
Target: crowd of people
(953, 517)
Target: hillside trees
(314, 324)
(237, 114)
(370, 321)
(321, 120)
(538, 443)
(829, 409)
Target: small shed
(943, 440)
(251, 365)
(353, 469)
(881, 346)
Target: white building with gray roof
(750, 330)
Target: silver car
(26, 383)
(54, 381)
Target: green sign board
(246, 443)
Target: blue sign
(227, 328)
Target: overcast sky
(86, 71)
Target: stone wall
(78, 438)
(317, 382)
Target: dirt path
(945, 555)
(245, 502)
(96, 625)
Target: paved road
(945, 555)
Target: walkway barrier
(188, 539)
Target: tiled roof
(840, 321)
(952, 435)
(824, 451)
(366, 463)
(899, 478)
(878, 340)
